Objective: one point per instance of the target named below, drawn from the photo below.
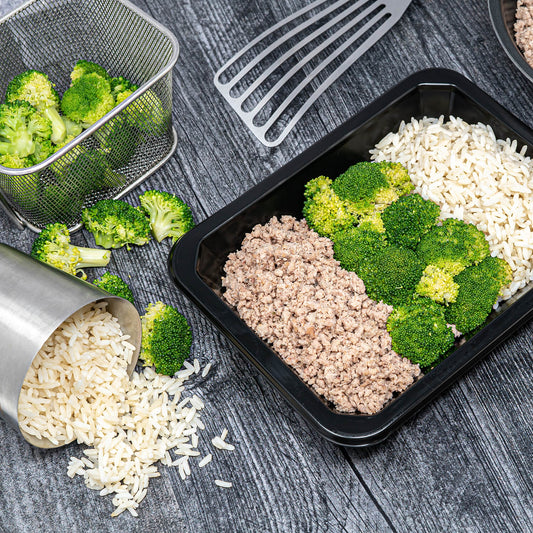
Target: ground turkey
(286, 285)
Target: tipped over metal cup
(35, 299)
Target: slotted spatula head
(276, 78)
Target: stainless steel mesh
(51, 35)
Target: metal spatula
(276, 78)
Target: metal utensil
(36, 299)
(269, 76)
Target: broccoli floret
(437, 284)
(169, 215)
(372, 222)
(408, 218)
(35, 88)
(166, 338)
(121, 88)
(115, 223)
(21, 127)
(392, 275)
(479, 288)
(52, 246)
(360, 185)
(115, 285)
(15, 161)
(23, 189)
(355, 247)
(148, 114)
(397, 176)
(83, 67)
(453, 246)
(43, 150)
(118, 140)
(419, 332)
(323, 210)
(88, 100)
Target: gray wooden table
(465, 463)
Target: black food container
(197, 260)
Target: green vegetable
(121, 88)
(419, 331)
(52, 246)
(88, 99)
(148, 114)
(115, 223)
(169, 215)
(392, 275)
(355, 248)
(35, 88)
(23, 189)
(408, 218)
(323, 210)
(115, 285)
(118, 140)
(166, 338)
(479, 288)
(23, 130)
(453, 246)
(437, 284)
(397, 177)
(83, 67)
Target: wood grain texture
(464, 463)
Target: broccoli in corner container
(166, 338)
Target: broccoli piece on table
(356, 247)
(121, 88)
(166, 338)
(115, 223)
(392, 275)
(22, 127)
(169, 215)
(83, 67)
(118, 140)
(88, 99)
(437, 284)
(419, 331)
(323, 210)
(114, 285)
(52, 246)
(453, 246)
(408, 218)
(479, 288)
(35, 88)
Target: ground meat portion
(286, 285)
(524, 28)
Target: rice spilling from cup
(472, 176)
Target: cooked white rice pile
(78, 387)
(472, 176)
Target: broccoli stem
(92, 257)
(59, 129)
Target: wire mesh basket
(121, 149)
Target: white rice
(78, 387)
(472, 176)
(225, 484)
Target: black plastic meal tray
(196, 261)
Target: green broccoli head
(114, 285)
(453, 246)
(372, 222)
(43, 150)
(479, 288)
(24, 189)
(35, 88)
(52, 246)
(169, 215)
(83, 67)
(437, 284)
(21, 127)
(166, 338)
(118, 141)
(397, 176)
(121, 88)
(148, 114)
(407, 219)
(15, 161)
(356, 247)
(392, 275)
(88, 99)
(419, 332)
(323, 210)
(115, 223)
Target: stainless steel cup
(34, 300)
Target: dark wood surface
(464, 463)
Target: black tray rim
(345, 429)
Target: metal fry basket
(124, 147)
